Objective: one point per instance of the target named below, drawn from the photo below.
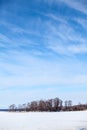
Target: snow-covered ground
(43, 121)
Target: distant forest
(50, 105)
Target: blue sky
(43, 50)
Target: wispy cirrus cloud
(42, 48)
(56, 37)
(77, 5)
(64, 39)
(29, 75)
(58, 29)
(82, 22)
(4, 38)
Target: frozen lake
(43, 121)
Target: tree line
(50, 105)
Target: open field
(43, 121)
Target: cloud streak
(77, 5)
(43, 46)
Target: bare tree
(66, 103)
(28, 107)
(42, 105)
(56, 104)
(12, 107)
(24, 107)
(33, 106)
(60, 104)
(19, 107)
(69, 103)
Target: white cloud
(64, 39)
(82, 22)
(69, 50)
(78, 49)
(77, 5)
(21, 70)
(4, 38)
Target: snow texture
(43, 120)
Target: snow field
(43, 120)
